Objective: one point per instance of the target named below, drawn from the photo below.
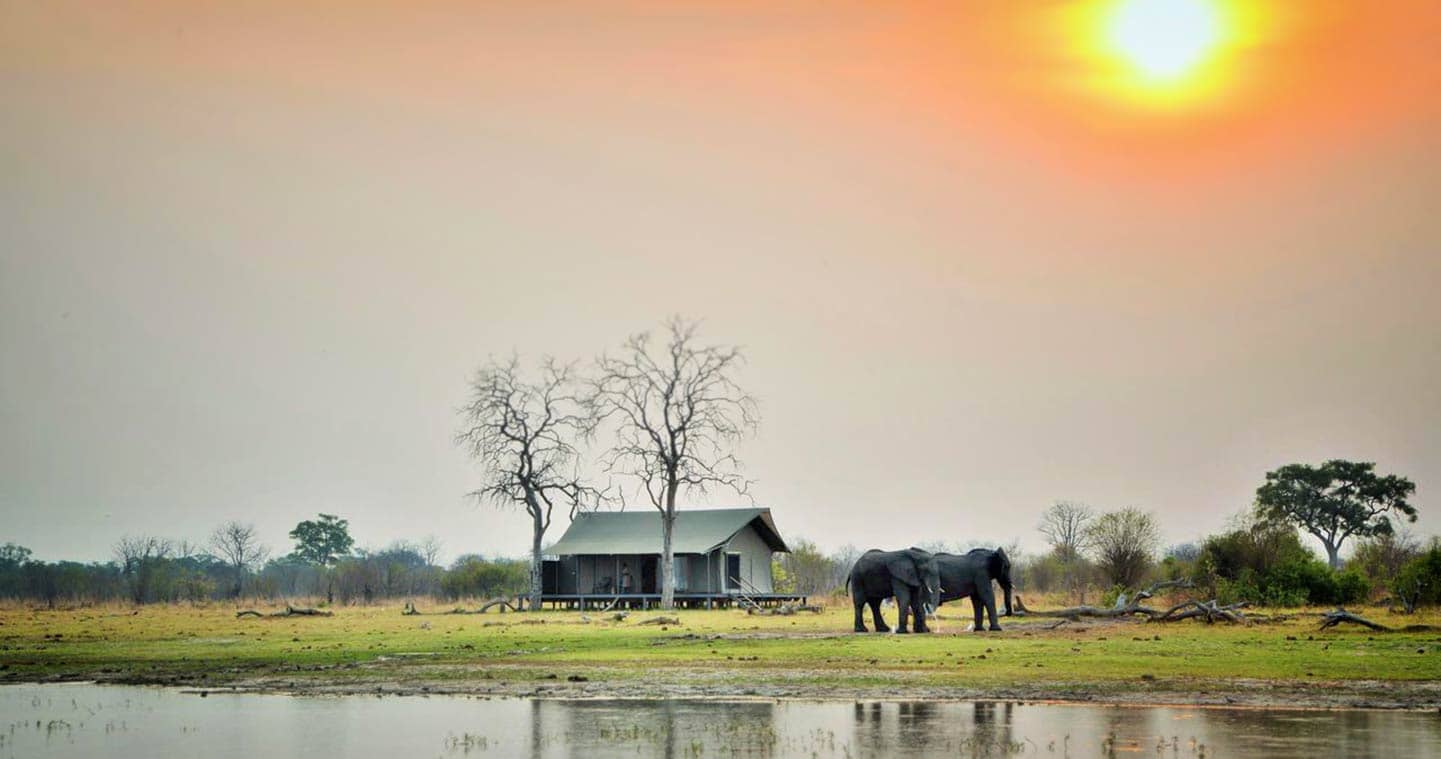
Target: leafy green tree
(323, 542)
(1335, 501)
(12, 556)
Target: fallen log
(1339, 615)
(503, 603)
(784, 610)
(289, 611)
(1208, 611)
(303, 612)
(660, 621)
(409, 610)
(1074, 613)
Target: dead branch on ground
(1208, 612)
(1128, 605)
(1337, 616)
(288, 611)
(784, 610)
(660, 621)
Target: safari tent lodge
(722, 558)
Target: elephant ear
(902, 566)
(998, 564)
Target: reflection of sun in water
(1163, 41)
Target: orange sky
(984, 281)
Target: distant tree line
(1092, 556)
(1260, 558)
(234, 565)
(1096, 555)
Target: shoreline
(725, 655)
(1351, 696)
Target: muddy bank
(593, 683)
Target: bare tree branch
(677, 414)
(522, 434)
(236, 544)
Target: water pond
(83, 720)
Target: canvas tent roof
(638, 532)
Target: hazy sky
(250, 252)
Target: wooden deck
(650, 600)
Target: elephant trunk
(1006, 586)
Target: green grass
(807, 654)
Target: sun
(1164, 42)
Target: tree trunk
(535, 564)
(1333, 554)
(667, 560)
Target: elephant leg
(918, 611)
(881, 626)
(979, 611)
(903, 605)
(859, 600)
(991, 610)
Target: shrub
(1108, 599)
(1419, 581)
(1352, 587)
(1269, 566)
(1381, 558)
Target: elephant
(970, 575)
(911, 576)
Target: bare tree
(678, 413)
(430, 547)
(809, 571)
(841, 561)
(237, 545)
(1125, 544)
(1064, 525)
(522, 433)
(140, 557)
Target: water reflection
(87, 720)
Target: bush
(1419, 581)
(473, 576)
(1270, 567)
(1352, 587)
(1380, 558)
